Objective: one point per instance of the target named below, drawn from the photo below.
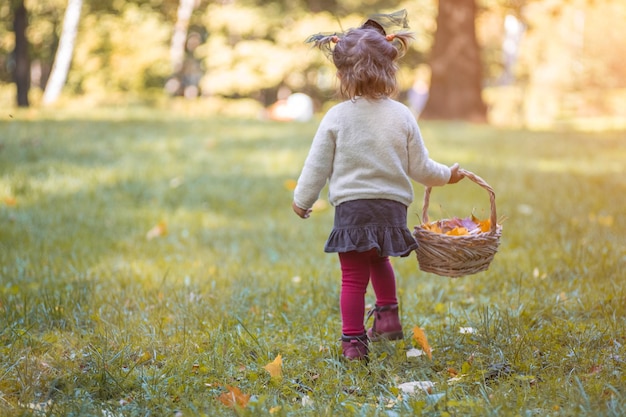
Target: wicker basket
(457, 256)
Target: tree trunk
(456, 83)
(179, 37)
(21, 72)
(63, 57)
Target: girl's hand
(455, 175)
(304, 214)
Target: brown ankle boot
(386, 323)
(355, 347)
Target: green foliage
(252, 47)
(568, 66)
(96, 318)
(120, 54)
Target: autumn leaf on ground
(234, 397)
(158, 230)
(275, 368)
(420, 338)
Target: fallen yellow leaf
(275, 368)
(159, 229)
(420, 338)
(234, 397)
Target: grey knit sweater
(367, 149)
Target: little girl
(368, 148)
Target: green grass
(96, 319)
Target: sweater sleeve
(421, 168)
(318, 165)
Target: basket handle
(477, 180)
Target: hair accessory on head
(385, 23)
(323, 41)
(396, 22)
(393, 26)
(372, 24)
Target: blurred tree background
(540, 62)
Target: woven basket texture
(457, 256)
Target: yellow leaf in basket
(432, 227)
(484, 225)
(420, 338)
(457, 231)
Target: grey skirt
(362, 225)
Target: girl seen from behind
(368, 149)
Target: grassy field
(150, 265)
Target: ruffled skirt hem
(362, 225)
(388, 240)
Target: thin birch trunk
(63, 57)
(179, 37)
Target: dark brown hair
(366, 62)
(365, 57)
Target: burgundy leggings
(357, 268)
